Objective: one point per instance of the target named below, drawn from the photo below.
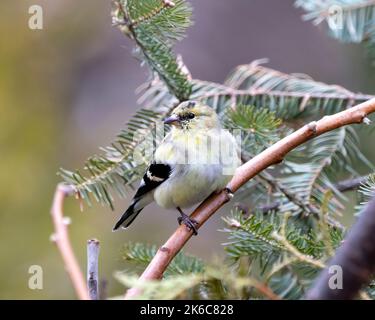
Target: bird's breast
(190, 184)
(201, 163)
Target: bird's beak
(173, 119)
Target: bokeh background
(69, 88)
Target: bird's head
(193, 115)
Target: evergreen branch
(292, 197)
(187, 284)
(298, 192)
(282, 238)
(254, 79)
(223, 90)
(155, 25)
(367, 191)
(367, 187)
(141, 254)
(289, 95)
(286, 248)
(350, 184)
(287, 285)
(307, 208)
(259, 128)
(251, 237)
(170, 288)
(295, 255)
(305, 176)
(121, 173)
(278, 267)
(342, 186)
(260, 122)
(236, 282)
(270, 156)
(312, 182)
(260, 237)
(117, 168)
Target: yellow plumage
(195, 159)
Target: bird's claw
(229, 192)
(191, 224)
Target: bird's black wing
(155, 175)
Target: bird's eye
(187, 116)
(190, 115)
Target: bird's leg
(185, 219)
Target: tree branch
(93, 268)
(247, 171)
(350, 184)
(231, 92)
(61, 238)
(356, 257)
(342, 186)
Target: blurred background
(69, 88)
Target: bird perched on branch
(196, 158)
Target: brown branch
(61, 238)
(247, 171)
(356, 257)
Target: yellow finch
(196, 158)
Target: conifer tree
(284, 226)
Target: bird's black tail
(128, 217)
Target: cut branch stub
(93, 246)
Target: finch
(196, 158)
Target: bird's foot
(191, 224)
(228, 190)
(229, 193)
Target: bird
(195, 159)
